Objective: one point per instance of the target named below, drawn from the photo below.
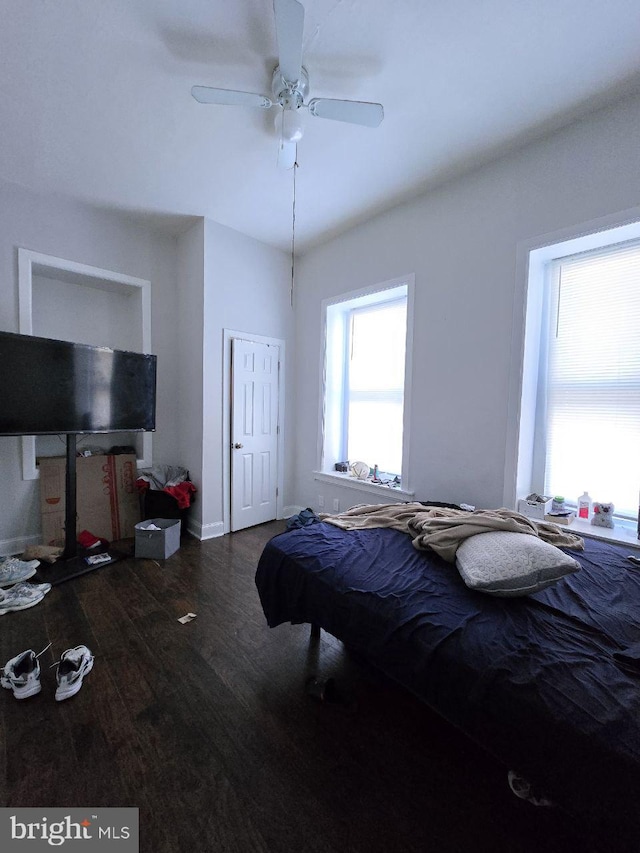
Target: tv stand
(70, 484)
(73, 562)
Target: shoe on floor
(22, 675)
(13, 570)
(43, 588)
(22, 596)
(524, 790)
(72, 668)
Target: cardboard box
(158, 544)
(535, 509)
(107, 500)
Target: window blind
(375, 384)
(592, 400)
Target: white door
(254, 432)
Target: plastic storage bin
(157, 544)
(536, 509)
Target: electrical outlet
(336, 504)
(320, 501)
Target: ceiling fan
(289, 87)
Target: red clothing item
(89, 540)
(182, 493)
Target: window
(365, 379)
(375, 384)
(587, 434)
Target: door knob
(237, 445)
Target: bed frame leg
(315, 631)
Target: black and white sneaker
(72, 668)
(22, 674)
(21, 596)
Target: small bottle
(584, 506)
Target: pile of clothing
(171, 479)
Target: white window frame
(551, 308)
(533, 258)
(333, 374)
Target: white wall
(86, 314)
(189, 332)
(112, 241)
(247, 290)
(461, 241)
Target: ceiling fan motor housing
(290, 95)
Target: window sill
(621, 535)
(336, 478)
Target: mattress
(549, 683)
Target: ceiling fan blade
(355, 112)
(289, 27)
(208, 95)
(287, 153)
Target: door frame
(228, 334)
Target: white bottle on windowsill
(584, 506)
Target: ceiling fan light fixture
(290, 125)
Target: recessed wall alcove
(74, 302)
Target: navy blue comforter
(549, 683)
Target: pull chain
(293, 231)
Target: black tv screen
(50, 387)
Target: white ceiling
(95, 99)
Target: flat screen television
(51, 387)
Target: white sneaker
(13, 570)
(22, 675)
(72, 668)
(43, 588)
(524, 790)
(22, 596)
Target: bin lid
(160, 524)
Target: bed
(549, 683)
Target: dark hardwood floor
(207, 728)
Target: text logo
(86, 830)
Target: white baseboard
(8, 547)
(205, 531)
(288, 511)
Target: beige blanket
(443, 530)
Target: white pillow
(510, 564)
